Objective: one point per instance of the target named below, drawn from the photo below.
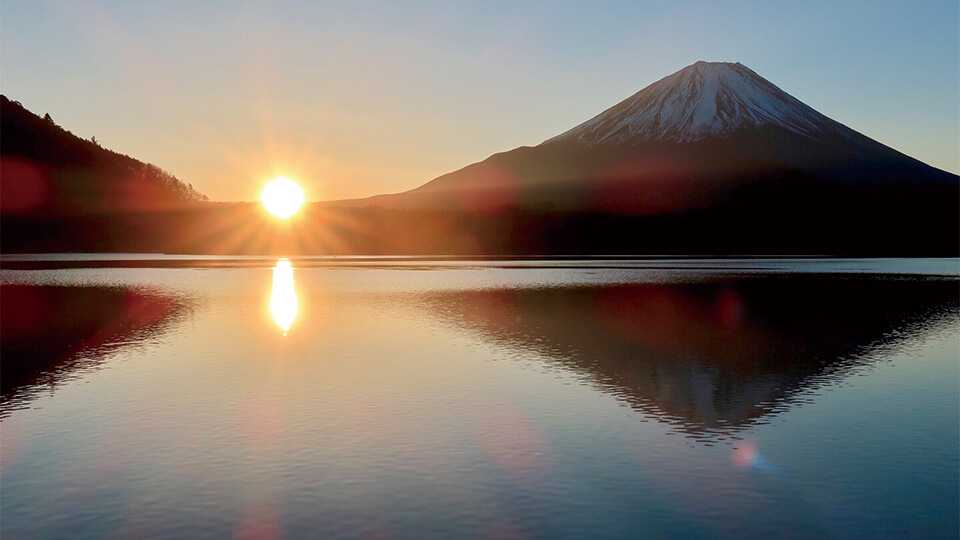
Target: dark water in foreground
(379, 399)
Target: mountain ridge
(757, 188)
(48, 169)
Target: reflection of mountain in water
(710, 357)
(51, 332)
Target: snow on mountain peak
(700, 100)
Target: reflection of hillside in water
(709, 357)
(51, 332)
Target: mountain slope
(46, 170)
(695, 139)
(713, 158)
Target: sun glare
(282, 197)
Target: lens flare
(746, 455)
(283, 296)
(282, 197)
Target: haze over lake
(367, 397)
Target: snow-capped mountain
(709, 157)
(701, 100)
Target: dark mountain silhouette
(710, 134)
(46, 170)
(712, 158)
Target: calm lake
(171, 397)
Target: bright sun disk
(282, 197)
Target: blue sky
(368, 97)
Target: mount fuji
(702, 100)
(711, 158)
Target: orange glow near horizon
(282, 197)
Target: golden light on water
(283, 296)
(282, 197)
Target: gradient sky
(360, 98)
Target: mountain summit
(701, 100)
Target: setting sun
(282, 197)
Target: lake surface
(171, 397)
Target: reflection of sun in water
(283, 297)
(282, 197)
